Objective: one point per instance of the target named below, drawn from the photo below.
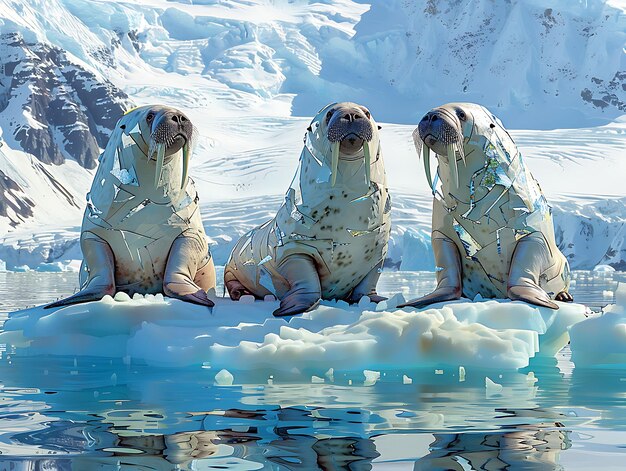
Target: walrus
(329, 238)
(492, 229)
(141, 230)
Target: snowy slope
(240, 69)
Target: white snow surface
(164, 332)
(600, 341)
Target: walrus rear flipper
(97, 254)
(530, 259)
(367, 286)
(305, 293)
(449, 284)
(182, 266)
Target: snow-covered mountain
(241, 68)
(52, 110)
(537, 63)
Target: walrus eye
(150, 117)
(329, 115)
(461, 115)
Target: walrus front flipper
(564, 297)
(181, 269)
(305, 293)
(367, 286)
(235, 288)
(530, 260)
(449, 284)
(101, 262)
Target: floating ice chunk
(364, 302)
(330, 374)
(391, 303)
(317, 380)
(371, 377)
(438, 372)
(224, 378)
(395, 301)
(603, 269)
(406, 380)
(247, 299)
(600, 340)
(461, 374)
(54, 267)
(492, 387)
(121, 297)
(3, 265)
(607, 293)
(530, 378)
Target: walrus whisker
(160, 157)
(334, 162)
(368, 161)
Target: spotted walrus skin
(329, 238)
(492, 229)
(142, 231)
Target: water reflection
(535, 447)
(95, 414)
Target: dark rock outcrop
(67, 111)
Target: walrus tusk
(186, 152)
(160, 157)
(454, 170)
(368, 161)
(334, 163)
(426, 156)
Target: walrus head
(160, 131)
(458, 131)
(349, 129)
(444, 130)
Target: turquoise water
(90, 413)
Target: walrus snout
(172, 128)
(170, 131)
(438, 129)
(349, 125)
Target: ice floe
(240, 336)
